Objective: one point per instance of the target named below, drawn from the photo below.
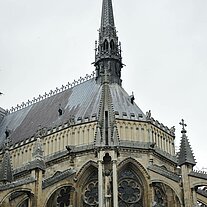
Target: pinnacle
(185, 153)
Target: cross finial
(182, 123)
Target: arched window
(90, 190)
(106, 45)
(61, 197)
(159, 196)
(130, 189)
(112, 44)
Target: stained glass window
(130, 189)
(63, 198)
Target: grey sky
(44, 44)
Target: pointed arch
(88, 165)
(87, 185)
(112, 45)
(58, 193)
(175, 189)
(15, 193)
(136, 164)
(105, 44)
(133, 183)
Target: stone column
(100, 183)
(115, 184)
(38, 187)
(194, 196)
(186, 186)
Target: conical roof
(185, 153)
(107, 18)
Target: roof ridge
(51, 93)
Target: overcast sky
(44, 44)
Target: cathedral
(88, 144)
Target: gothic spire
(107, 17)
(185, 153)
(108, 51)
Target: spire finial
(182, 123)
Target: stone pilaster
(38, 188)
(194, 194)
(100, 183)
(115, 184)
(186, 186)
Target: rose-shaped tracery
(129, 191)
(63, 198)
(90, 195)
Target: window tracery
(90, 191)
(63, 198)
(90, 196)
(159, 197)
(130, 189)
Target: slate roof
(82, 100)
(79, 101)
(122, 104)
